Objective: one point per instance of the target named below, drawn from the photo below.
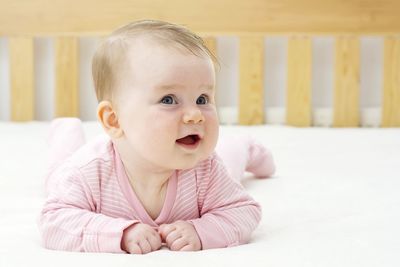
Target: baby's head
(111, 56)
(155, 83)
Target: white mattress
(334, 201)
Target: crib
(334, 199)
(299, 21)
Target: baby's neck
(148, 181)
(149, 187)
(146, 176)
(139, 168)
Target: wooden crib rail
(46, 17)
(251, 21)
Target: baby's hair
(112, 51)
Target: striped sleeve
(69, 221)
(228, 215)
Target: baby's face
(166, 106)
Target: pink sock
(260, 162)
(243, 153)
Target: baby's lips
(195, 132)
(189, 139)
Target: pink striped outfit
(90, 201)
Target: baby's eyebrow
(167, 87)
(208, 87)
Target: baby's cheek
(212, 124)
(157, 121)
(161, 132)
(212, 134)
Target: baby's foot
(260, 162)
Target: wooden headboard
(251, 20)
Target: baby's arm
(69, 220)
(228, 215)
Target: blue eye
(168, 100)
(202, 100)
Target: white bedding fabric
(334, 201)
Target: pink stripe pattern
(91, 202)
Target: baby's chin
(185, 166)
(189, 163)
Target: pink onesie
(90, 202)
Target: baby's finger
(188, 247)
(178, 244)
(134, 248)
(145, 246)
(165, 230)
(172, 237)
(155, 241)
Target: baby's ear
(109, 119)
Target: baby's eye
(202, 100)
(168, 100)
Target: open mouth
(191, 140)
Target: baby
(154, 178)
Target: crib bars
(21, 21)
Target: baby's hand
(140, 239)
(181, 236)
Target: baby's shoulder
(97, 151)
(89, 167)
(210, 162)
(206, 167)
(95, 156)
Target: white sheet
(333, 202)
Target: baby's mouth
(189, 140)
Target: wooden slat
(251, 69)
(391, 83)
(22, 78)
(66, 56)
(222, 16)
(347, 82)
(298, 105)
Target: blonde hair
(112, 51)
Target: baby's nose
(193, 115)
